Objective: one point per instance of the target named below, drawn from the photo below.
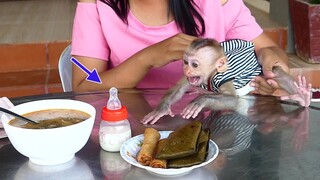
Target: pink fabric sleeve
(244, 25)
(87, 36)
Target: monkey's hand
(162, 110)
(194, 108)
(210, 101)
(303, 95)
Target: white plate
(131, 147)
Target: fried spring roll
(159, 163)
(148, 148)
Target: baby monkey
(225, 69)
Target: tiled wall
(29, 69)
(278, 35)
(33, 33)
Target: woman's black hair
(184, 12)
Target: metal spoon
(17, 115)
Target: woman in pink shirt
(140, 43)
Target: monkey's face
(198, 66)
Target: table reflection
(296, 120)
(74, 169)
(113, 166)
(262, 138)
(201, 173)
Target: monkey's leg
(211, 101)
(284, 80)
(300, 92)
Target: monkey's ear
(221, 64)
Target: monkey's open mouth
(194, 80)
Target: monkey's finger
(156, 118)
(149, 117)
(301, 82)
(309, 87)
(296, 85)
(186, 111)
(160, 114)
(146, 120)
(304, 82)
(192, 111)
(151, 114)
(195, 110)
(190, 108)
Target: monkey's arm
(285, 81)
(300, 92)
(224, 100)
(173, 95)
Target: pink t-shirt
(99, 33)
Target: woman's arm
(269, 55)
(126, 75)
(129, 73)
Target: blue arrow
(93, 76)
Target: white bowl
(50, 146)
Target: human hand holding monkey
(269, 57)
(206, 65)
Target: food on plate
(51, 118)
(182, 142)
(184, 147)
(159, 163)
(148, 148)
(196, 158)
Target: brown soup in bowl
(51, 118)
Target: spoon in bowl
(17, 115)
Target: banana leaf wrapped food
(196, 158)
(182, 142)
(148, 148)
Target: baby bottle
(114, 127)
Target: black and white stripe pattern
(243, 65)
(219, 122)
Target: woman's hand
(168, 50)
(269, 55)
(265, 84)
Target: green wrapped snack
(182, 142)
(196, 158)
